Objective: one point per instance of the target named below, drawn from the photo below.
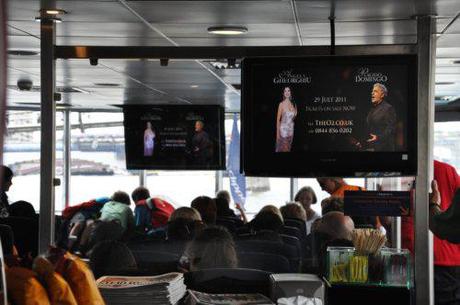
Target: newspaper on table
(200, 298)
(142, 290)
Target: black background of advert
(326, 154)
(171, 118)
(361, 203)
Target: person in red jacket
(446, 254)
(150, 213)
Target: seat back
(271, 247)
(25, 232)
(263, 261)
(156, 262)
(291, 231)
(297, 223)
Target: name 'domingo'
(365, 76)
(287, 77)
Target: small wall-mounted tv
(170, 137)
(329, 116)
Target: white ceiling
(185, 23)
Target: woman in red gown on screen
(149, 140)
(287, 111)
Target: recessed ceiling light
(194, 86)
(444, 83)
(22, 52)
(55, 19)
(53, 11)
(227, 30)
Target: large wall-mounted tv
(170, 137)
(329, 116)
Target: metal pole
(397, 220)
(143, 178)
(294, 187)
(66, 158)
(219, 181)
(425, 120)
(48, 134)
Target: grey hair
(382, 87)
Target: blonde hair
(272, 209)
(185, 213)
(294, 210)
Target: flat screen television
(344, 116)
(170, 137)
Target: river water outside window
(98, 164)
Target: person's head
(379, 92)
(306, 197)
(222, 206)
(212, 248)
(22, 209)
(224, 194)
(121, 197)
(331, 204)
(110, 257)
(140, 193)
(272, 209)
(207, 208)
(187, 213)
(330, 184)
(293, 210)
(287, 93)
(199, 126)
(7, 177)
(336, 225)
(267, 220)
(149, 125)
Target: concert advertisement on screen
(174, 137)
(312, 116)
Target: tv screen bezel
(221, 164)
(329, 163)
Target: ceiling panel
(23, 42)
(270, 23)
(448, 41)
(355, 10)
(360, 28)
(360, 40)
(214, 12)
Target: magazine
(200, 298)
(142, 290)
(115, 282)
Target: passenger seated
(118, 209)
(223, 207)
(75, 220)
(226, 217)
(22, 209)
(336, 225)
(183, 224)
(212, 248)
(111, 257)
(98, 231)
(333, 226)
(207, 208)
(294, 210)
(7, 177)
(151, 214)
(267, 224)
(306, 197)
